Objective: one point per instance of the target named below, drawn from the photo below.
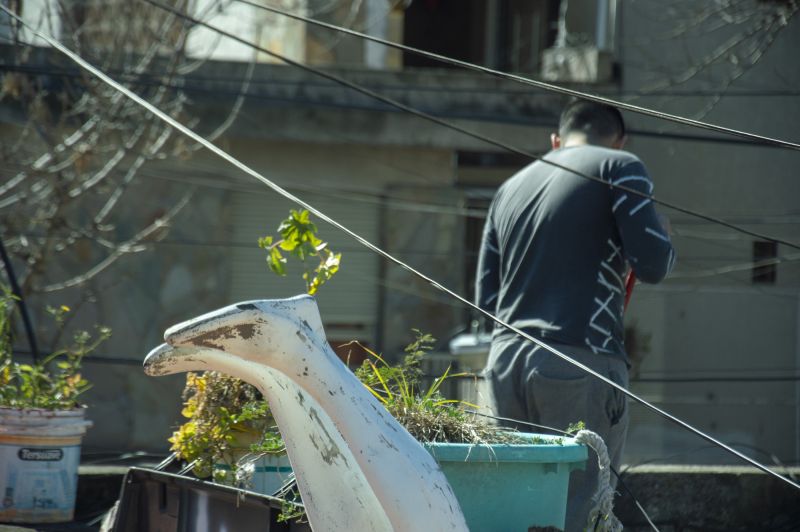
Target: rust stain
(158, 366)
(215, 339)
(247, 330)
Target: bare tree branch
(750, 28)
(92, 143)
(133, 245)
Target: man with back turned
(555, 253)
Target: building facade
(717, 344)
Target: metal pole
(797, 388)
(23, 309)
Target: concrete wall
(138, 297)
(279, 34)
(707, 498)
(701, 324)
(300, 130)
(194, 269)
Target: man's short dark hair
(596, 120)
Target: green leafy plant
(227, 418)
(292, 508)
(53, 383)
(576, 427)
(228, 421)
(299, 239)
(424, 411)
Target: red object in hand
(630, 281)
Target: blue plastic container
(509, 488)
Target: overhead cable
(569, 435)
(535, 83)
(191, 84)
(468, 132)
(478, 136)
(256, 175)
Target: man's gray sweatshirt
(556, 247)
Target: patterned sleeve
(646, 244)
(487, 278)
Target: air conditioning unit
(577, 64)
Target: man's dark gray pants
(528, 383)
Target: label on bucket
(38, 483)
(28, 454)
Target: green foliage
(299, 239)
(6, 307)
(54, 383)
(576, 427)
(292, 508)
(424, 412)
(227, 418)
(402, 379)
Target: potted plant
(472, 453)
(503, 480)
(230, 434)
(41, 424)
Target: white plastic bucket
(269, 473)
(40, 452)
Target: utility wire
(144, 80)
(527, 81)
(468, 132)
(684, 380)
(570, 435)
(223, 244)
(512, 149)
(244, 168)
(419, 88)
(129, 361)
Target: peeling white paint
(356, 467)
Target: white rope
(602, 513)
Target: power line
(127, 361)
(733, 268)
(372, 198)
(489, 140)
(244, 168)
(154, 81)
(527, 81)
(401, 203)
(784, 93)
(687, 380)
(682, 380)
(569, 435)
(228, 244)
(716, 371)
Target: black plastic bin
(153, 501)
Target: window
(503, 34)
(763, 251)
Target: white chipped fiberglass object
(357, 468)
